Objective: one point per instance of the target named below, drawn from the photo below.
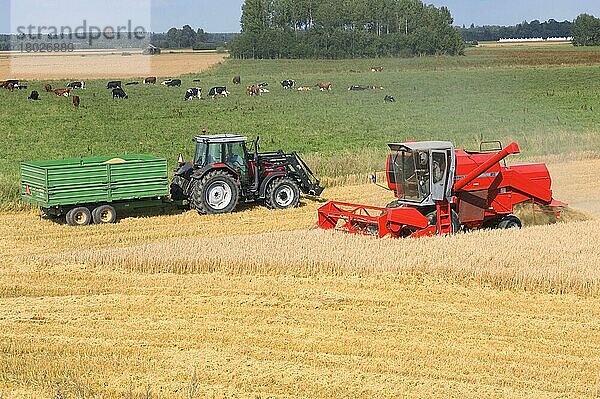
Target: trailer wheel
(218, 192)
(79, 217)
(455, 220)
(510, 222)
(282, 193)
(104, 214)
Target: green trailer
(94, 189)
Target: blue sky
(224, 15)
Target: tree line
(524, 30)
(586, 31)
(187, 37)
(344, 29)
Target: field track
(104, 65)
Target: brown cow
(76, 101)
(253, 91)
(10, 86)
(62, 92)
(375, 87)
(150, 80)
(237, 80)
(324, 86)
(48, 88)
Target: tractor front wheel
(282, 193)
(217, 192)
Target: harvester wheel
(510, 222)
(282, 193)
(79, 217)
(217, 192)
(104, 214)
(455, 220)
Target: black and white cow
(389, 99)
(115, 84)
(119, 93)
(172, 83)
(76, 85)
(194, 92)
(20, 87)
(218, 91)
(288, 84)
(358, 88)
(263, 84)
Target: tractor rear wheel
(455, 220)
(282, 193)
(104, 214)
(79, 217)
(217, 192)
(510, 222)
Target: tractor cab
(222, 149)
(421, 173)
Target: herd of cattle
(190, 94)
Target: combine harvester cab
(441, 190)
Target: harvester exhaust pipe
(513, 148)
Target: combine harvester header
(441, 190)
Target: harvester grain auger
(441, 190)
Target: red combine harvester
(441, 190)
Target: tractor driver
(423, 172)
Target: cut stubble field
(258, 304)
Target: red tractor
(224, 173)
(441, 190)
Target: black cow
(195, 92)
(116, 84)
(218, 91)
(288, 84)
(132, 83)
(119, 93)
(172, 83)
(358, 88)
(76, 85)
(389, 99)
(34, 96)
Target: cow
(237, 80)
(150, 80)
(324, 86)
(62, 92)
(76, 85)
(389, 99)
(48, 88)
(194, 92)
(10, 86)
(304, 88)
(253, 91)
(218, 91)
(172, 83)
(288, 84)
(119, 93)
(14, 82)
(358, 88)
(34, 96)
(376, 88)
(132, 83)
(377, 69)
(76, 101)
(263, 84)
(115, 84)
